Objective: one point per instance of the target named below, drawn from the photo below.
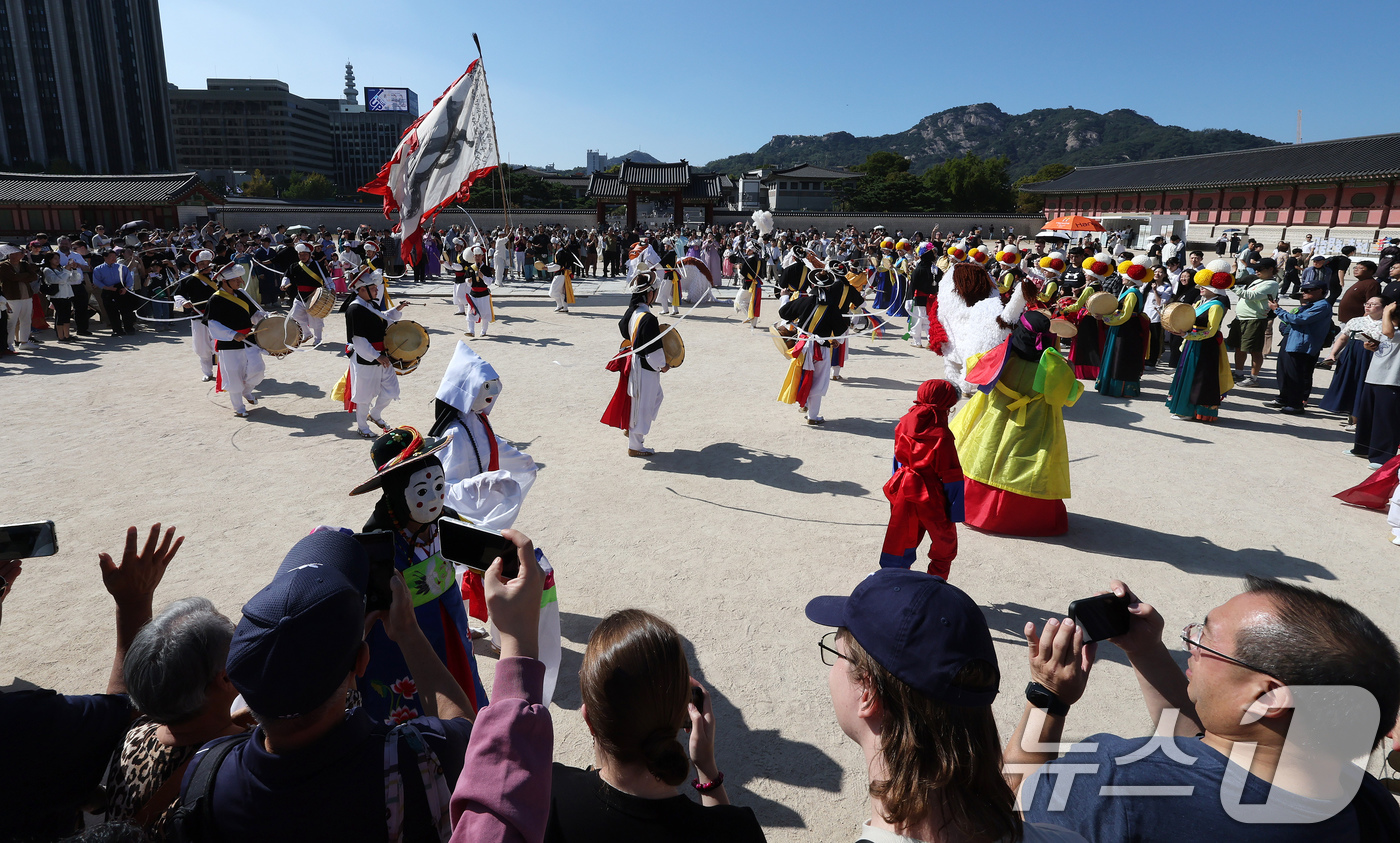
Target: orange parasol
(1073, 222)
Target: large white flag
(441, 154)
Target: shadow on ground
(730, 461)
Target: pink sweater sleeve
(503, 792)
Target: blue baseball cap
(918, 627)
(299, 637)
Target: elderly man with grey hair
(176, 678)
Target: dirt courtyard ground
(742, 516)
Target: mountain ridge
(1073, 136)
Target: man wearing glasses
(1284, 686)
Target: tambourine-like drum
(405, 342)
(539, 266)
(785, 338)
(322, 303)
(277, 335)
(1178, 317)
(1101, 304)
(672, 346)
(1063, 328)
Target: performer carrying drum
(192, 296)
(372, 381)
(637, 401)
(309, 304)
(232, 316)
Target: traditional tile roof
(699, 186)
(808, 171)
(606, 186)
(1350, 159)
(35, 189)
(663, 176)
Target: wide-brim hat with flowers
(400, 448)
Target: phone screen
(380, 547)
(1101, 617)
(26, 541)
(477, 547)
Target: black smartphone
(477, 547)
(1101, 617)
(26, 541)
(697, 696)
(380, 547)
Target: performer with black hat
(409, 477)
(637, 400)
(818, 316)
(232, 315)
(372, 381)
(749, 301)
(192, 294)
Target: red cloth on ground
(928, 460)
(1007, 513)
(937, 335)
(1374, 492)
(619, 411)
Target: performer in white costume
(304, 279)
(192, 296)
(232, 315)
(973, 316)
(637, 401)
(373, 381)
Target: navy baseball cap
(917, 627)
(300, 635)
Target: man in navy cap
(315, 768)
(913, 677)
(1306, 335)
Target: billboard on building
(391, 99)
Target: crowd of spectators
(211, 730)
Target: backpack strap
(427, 793)
(194, 819)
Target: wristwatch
(1040, 696)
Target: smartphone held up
(27, 541)
(1102, 616)
(474, 547)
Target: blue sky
(701, 81)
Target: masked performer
(637, 401)
(409, 477)
(1011, 435)
(926, 490)
(192, 296)
(818, 315)
(232, 315)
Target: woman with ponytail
(637, 697)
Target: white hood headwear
(464, 377)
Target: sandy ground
(743, 515)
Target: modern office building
(83, 87)
(363, 137)
(250, 124)
(258, 124)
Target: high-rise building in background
(83, 87)
(363, 137)
(250, 124)
(237, 126)
(597, 162)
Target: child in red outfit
(926, 491)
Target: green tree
(887, 186)
(971, 184)
(1034, 203)
(259, 186)
(312, 187)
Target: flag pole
(505, 200)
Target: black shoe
(1292, 411)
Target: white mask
(486, 396)
(424, 494)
